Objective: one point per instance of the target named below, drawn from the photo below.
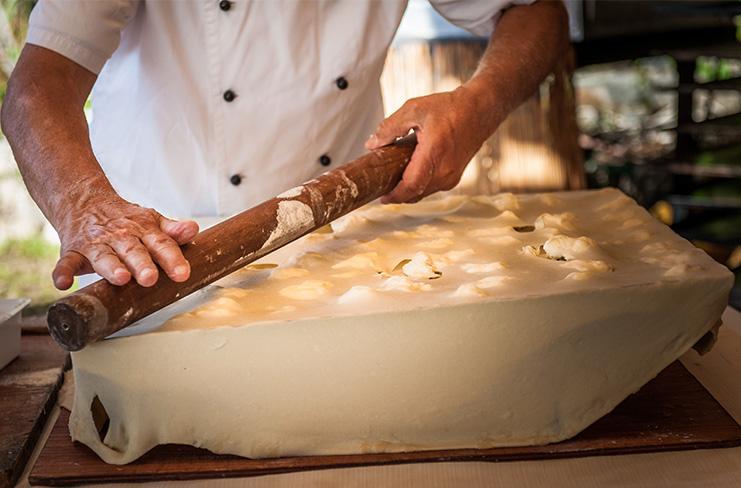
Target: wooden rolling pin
(100, 309)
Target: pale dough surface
(504, 320)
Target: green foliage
(727, 156)
(17, 13)
(721, 189)
(30, 248)
(13, 30)
(710, 68)
(25, 271)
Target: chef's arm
(44, 122)
(452, 126)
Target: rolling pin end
(66, 326)
(76, 321)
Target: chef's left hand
(448, 136)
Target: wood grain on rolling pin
(100, 309)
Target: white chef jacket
(209, 107)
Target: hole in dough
(544, 254)
(540, 252)
(707, 341)
(401, 264)
(100, 417)
(523, 228)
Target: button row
(341, 83)
(229, 96)
(324, 160)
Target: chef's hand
(452, 126)
(44, 121)
(118, 240)
(448, 136)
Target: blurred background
(647, 100)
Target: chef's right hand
(118, 240)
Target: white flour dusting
(350, 184)
(293, 218)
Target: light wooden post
(535, 149)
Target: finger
(416, 180)
(133, 253)
(70, 264)
(396, 125)
(107, 264)
(180, 232)
(372, 142)
(168, 255)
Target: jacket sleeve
(479, 17)
(85, 31)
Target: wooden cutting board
(28, 391)
(672, 412)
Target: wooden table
(719, 371)
(28, 392)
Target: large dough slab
(510, 320)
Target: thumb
(70, 264)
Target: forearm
(44, 122)
(43, 118)
(521, 52)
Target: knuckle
(385, 125)
(416, 189)
(412, 103)
(130, 248)
(162, 241)
(99, 253)
(154, 215)
(449, 177)
(123, 232)
(447, 185)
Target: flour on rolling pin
(293, 217)
(350, 184)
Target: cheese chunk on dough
(455, 323)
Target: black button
(341, 82)
(229, 96)
(225, 5)
(325, 160)
(236, 180)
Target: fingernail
(146, 273)
(120, 276)
(180, 270)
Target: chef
(208, 107)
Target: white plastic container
(10, 328)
